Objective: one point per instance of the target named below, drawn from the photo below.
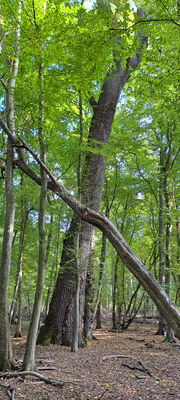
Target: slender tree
(12, 63)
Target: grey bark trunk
(54, 265)
(162, 324)
(114, 294)
(24, 219)
(5, 342)
(5, 260)
(97, 310)
(29, 356)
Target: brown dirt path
(152, 373)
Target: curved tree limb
(133, 263)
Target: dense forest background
(61, 65)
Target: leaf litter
(131, 365)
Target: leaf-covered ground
(151, 370)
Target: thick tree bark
(88, 302)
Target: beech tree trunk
(24, 219)
(162, 324)
(29, 356)
(5, 260)
(12, 68)
(114, 294)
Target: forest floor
(146, 369)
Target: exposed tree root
(53, 382)
(9, 391)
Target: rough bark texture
(88, 302)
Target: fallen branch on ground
(115, 356)
(143, 369)
(53, 382)
(105, 391)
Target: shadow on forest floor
(146, 368)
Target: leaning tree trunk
(147, 280)
(58, 324)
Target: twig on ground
(143, 369)
(99, 398)
(115, 356)
(46, 368)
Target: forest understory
(134, 364)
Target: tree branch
(53, 382)
(158, 295)
(145, 21)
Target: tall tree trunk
(54, 265)
(24, 219)
(61, 309)
(162, 324)
(88, 302)
(114, 294)
(29, 357)
(5, 343)
(177, 301)
(5, 260)
(169, 332)
(97, 310)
